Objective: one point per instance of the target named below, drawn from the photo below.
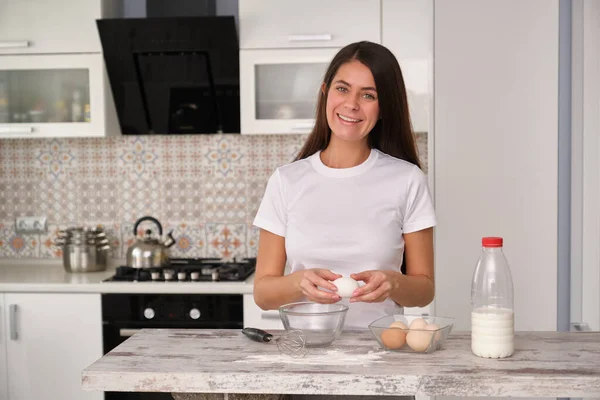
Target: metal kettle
(148, 251)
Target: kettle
(147, 251)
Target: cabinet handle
(16, 129)
(310, 38)
(12, 44)
(12, 321)
(303, 125)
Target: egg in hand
(346, 286)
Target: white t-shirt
(347, 220)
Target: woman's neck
(344, 154)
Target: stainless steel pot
(84, 249)
(84, 258)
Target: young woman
(354, 203)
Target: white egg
(418, 324)
(418, 340)
(346, 286)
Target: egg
(346, 286)
(393, 338)
(434, 327)
(418, 340)
(398, 324)
(418, 323)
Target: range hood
(173, 75)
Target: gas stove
(189, 270)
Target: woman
(354, 203)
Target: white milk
(492, 332)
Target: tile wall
(206, 188)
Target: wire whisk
(292, 342)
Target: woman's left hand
(377, 287)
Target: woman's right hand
(314, 278)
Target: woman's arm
(416, 288)
(272, 289)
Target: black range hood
(175, 75)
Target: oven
(125, 314)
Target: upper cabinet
(55, 96)
(407, 30)
(285, 48)
(51, 26)
(268, 24)
(279, 87)
(52, 75)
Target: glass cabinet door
(51, 95)
(279, 89)
(44, 96)
(293, 97)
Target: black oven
(125, 314)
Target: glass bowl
(422, 340)
(321, 323)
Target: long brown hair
(392, 134)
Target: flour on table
(330, 357)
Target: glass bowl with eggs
(411, 333)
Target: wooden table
(186, 362)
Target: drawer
(255, 317)
(309, 23)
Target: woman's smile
(349, 120)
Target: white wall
(496, 95)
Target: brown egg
(393, 338)
(418, 340)
(398, 324)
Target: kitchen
(206, 188)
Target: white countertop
(50, 277)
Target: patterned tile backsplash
(206, 188)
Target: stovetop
(189, 270)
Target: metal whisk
(291, 342)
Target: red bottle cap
(492, 242)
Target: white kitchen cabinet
(3, 366)
(64, 95)
(52, 26)
(279, 88)
(268, 24)
(407, 30)
(255, 317)
(49, 339)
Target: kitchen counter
(52, 278)
(189, 363)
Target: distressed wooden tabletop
(545, 364)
